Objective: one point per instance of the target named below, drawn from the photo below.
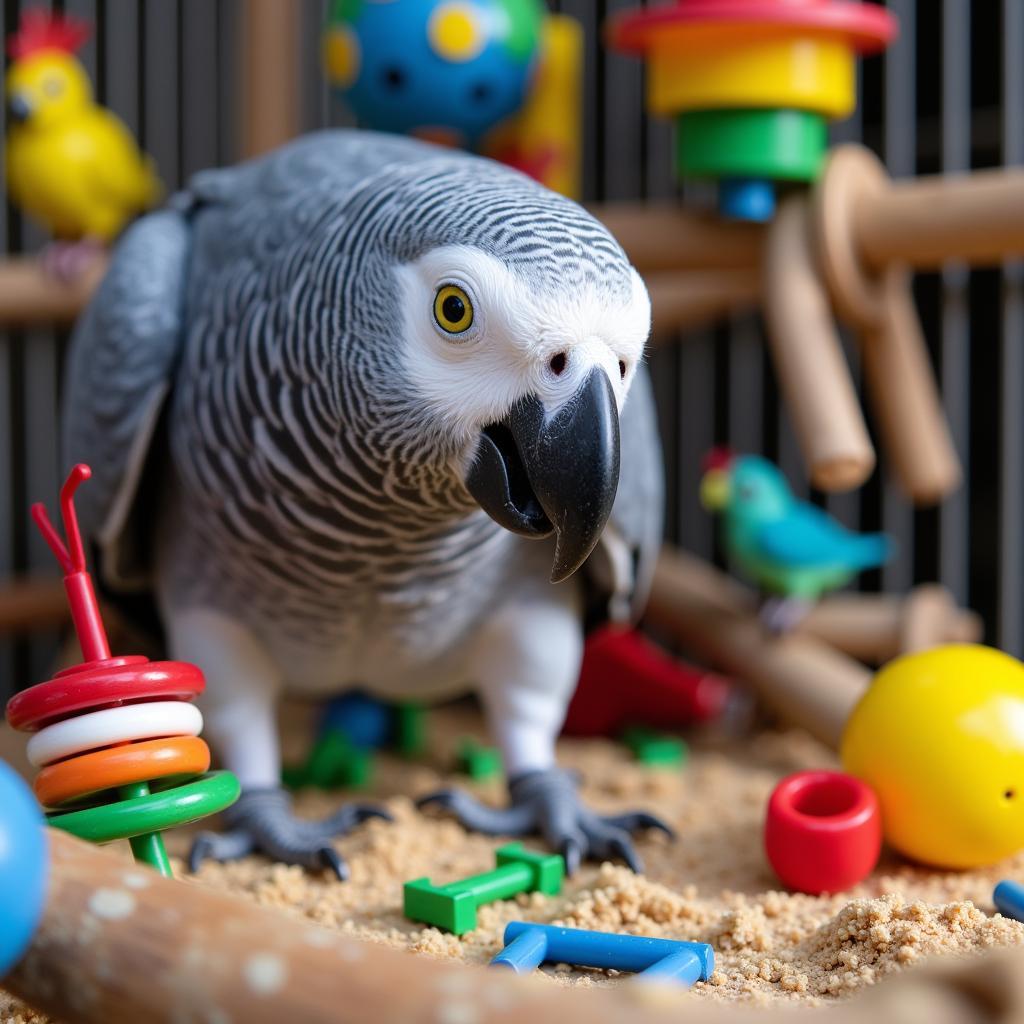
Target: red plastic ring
(102, 685)
(867, 27)
(823, 831)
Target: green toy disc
(784, 145)
(156, 812)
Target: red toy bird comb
(718, 458)
(41, 30)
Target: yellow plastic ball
(940, 737)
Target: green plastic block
(453, 907)
(654, 750)
(782, 145)
(410, 729)
(480, 763)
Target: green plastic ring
(156, 812)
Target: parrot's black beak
(19, 109)
(536, 475)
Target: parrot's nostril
(557, 363)
(622, 368)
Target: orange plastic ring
(119, 766)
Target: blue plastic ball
(365, 721)
(448, 70)
(23, 866)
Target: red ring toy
(823, 831)
(866, 27)
(103, 684)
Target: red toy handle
(85, 610)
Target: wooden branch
(809, 360)
(270, 75)
(30, 297)
(665, 236)
(682, 300)
(27, 605)
(925, 222)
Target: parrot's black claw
(548, 802)
(262, 822)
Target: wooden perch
(30, 297)
(119, 944)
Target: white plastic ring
(113, 725)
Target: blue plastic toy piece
(23, 867)
(367, 723)
(750, 199)
(529, 945)
(1009, 899)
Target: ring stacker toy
(117, 724)
(453, 907)
(752, 85)
(823, 831)
(528, 945)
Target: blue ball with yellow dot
(444, 70)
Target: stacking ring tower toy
(119, 724)
(752, 85)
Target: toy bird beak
(714, 489)
(535, 474)
(19, 109)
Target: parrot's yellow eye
(452, 309)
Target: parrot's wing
(808, 536)
(620, 569)
(123, 356)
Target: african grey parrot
(353, 413)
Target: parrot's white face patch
(524, 339)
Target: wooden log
(682, 300)
(803, 680)
(30, 297)
(665, 236)
(269, 62)
(808, 355)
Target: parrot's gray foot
(781, 615)
(548, 802)
(262, 822)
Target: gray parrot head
(521, 326)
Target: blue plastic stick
(528, 945)
(1009, 899)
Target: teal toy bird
(791, 549)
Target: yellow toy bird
(71, 164)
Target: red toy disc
(823, 831)
(102, 684)
(867, 27)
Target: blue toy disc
(24, 860)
